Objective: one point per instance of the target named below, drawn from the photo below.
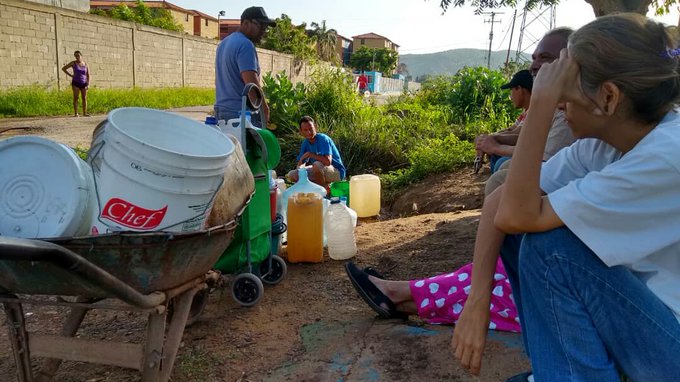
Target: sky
(417, 26)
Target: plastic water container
(159, 171)
(46, 190)
(365, 191)
(305, 228)
(340, 231)
(343, 200)
(303, 185)
(233, 128)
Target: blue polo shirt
(235, 54)
(323, 145)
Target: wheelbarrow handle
(17, 249)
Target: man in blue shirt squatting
(236, 65)
(318, 155)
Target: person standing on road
(80, 81)
(236, 65)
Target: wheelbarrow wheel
(276, 273)
(247, 289)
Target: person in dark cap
(500, 146)
(236, 64)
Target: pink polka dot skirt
(440, 299)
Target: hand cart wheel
(247, 289)
(276, 273)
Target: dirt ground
(312, 326)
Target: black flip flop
(373, 272)
(371, 294)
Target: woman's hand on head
(559, 81)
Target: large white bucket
(46, 190)
(158, 171)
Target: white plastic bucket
(158, 171)
(46, 190)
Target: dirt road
(312, 326)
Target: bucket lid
(44, 188)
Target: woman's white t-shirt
(625, 208)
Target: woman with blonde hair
(80, 81)
(593, 245)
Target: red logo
(130, 215)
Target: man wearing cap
(236, 64)
(500, 146)
(559, 135)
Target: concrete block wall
(28, 52)
(200, 63)
(37, 40)
(158, 60)
(76, 5)
(107, 47)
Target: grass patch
(195, 364)
(35, 101)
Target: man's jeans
(584, 321)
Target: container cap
(335, 200)
(44, 189)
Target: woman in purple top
(80, 81)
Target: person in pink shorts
(437, 300)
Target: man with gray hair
(559, 136)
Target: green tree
(382, 60)
(288, 38)
(142, 14)
(600, 7)
(325, 39)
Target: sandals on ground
(380, 303)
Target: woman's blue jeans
(584, 321)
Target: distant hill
(450, 61)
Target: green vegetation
(379, 59)
(36, 101)
(288, 38)
(405, 140)
(141, 14)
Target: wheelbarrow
(142, 271)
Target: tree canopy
(325, 39)
(380, 59)
(141, 14)
(600, 7)
(288, 38)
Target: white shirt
(625, 208)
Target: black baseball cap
(523, 78)
(257, 13)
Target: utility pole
(492, 21)
(512, 31)
(373, 62)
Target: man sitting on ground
(500, 146)
(318, 155)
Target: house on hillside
(194, 22)
(373, 40)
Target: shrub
(472, 94)
(285, 102)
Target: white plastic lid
(44, 189)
